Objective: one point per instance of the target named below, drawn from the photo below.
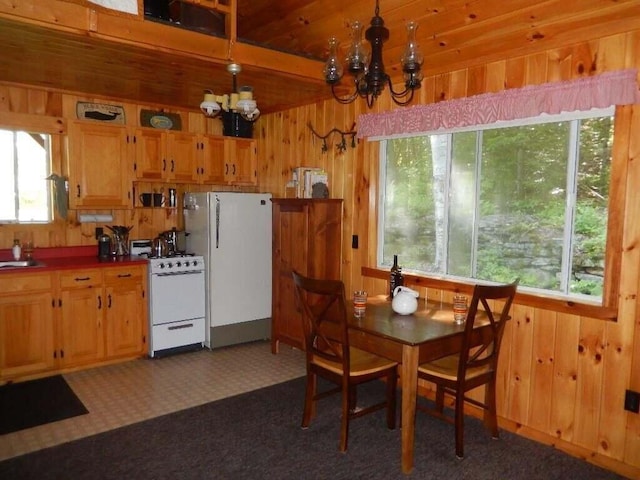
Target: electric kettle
(405, 300)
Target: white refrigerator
(232, 231)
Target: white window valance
(599, 91)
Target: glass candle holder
(359, 303)
(459, 309)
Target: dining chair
(328, 355)
(475, 364)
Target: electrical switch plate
(632, 401)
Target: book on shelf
(306, 178)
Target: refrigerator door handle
(217, 222)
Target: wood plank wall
(562, 377)
(22, 106)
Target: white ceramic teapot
(405, 300)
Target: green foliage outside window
(526, 201)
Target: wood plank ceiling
(452, 34)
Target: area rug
(36, 402)
(257, 435)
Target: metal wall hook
(342, 145)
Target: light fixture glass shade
(250, 115)
(358, 56)
(412, 57)
(333, 67)
(209, 106)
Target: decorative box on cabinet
(307, 237)
(99, 159)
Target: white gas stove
(176, 300)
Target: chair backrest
(486, 353)
(324, 318)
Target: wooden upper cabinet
(182, 157)
(166, 155)
(241, 161)
(150, 158)
(211, 159)
(99, 162)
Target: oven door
(177, 296)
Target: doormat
(29, 404)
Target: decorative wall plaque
(167, 121)
(100, 112)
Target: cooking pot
(160, 247)
(176, 239)
(405, 300)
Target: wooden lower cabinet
(307, 237)
(80, 318)
(26, 325)
(126, 311)
(56, 321)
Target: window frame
(606, 308)
(53, 126)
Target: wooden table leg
(409, 382)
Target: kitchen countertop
(68, 258)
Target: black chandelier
(370, 79)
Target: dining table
(410, 340)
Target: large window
(25, 163)
(525, 200)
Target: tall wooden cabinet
(307, 237)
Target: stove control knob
(178, 264)
(170, 265)
(187, 263)
(162, 265)
(195, 262)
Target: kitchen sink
(20, 264)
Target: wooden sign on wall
(100, 112)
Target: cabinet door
(211, 159)
(151, 159)
(99, 166)
(241, 162)
(81, 330)
(126, 311)
(182, 157)
(289, 253)
(82, 302)
(26, 334)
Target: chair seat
(447, 367)
(362, 363)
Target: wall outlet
(354, 241)
(632, 401)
